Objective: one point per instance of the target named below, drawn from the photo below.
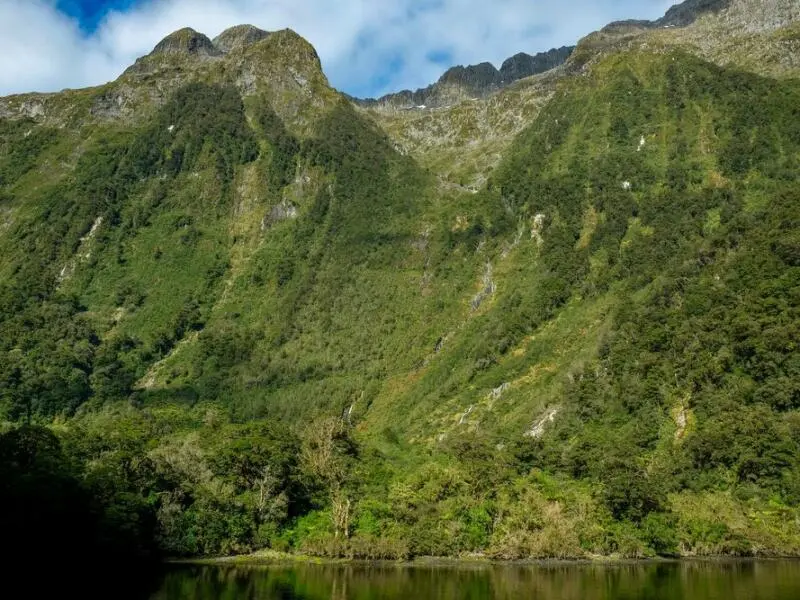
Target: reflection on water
(740, 580)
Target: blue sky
(89, 13)
(367, 47)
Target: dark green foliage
(374, 186)
(485, 468)
(258, 465)
(114, 370)
(46, 501)
(21, 144)
(47, 374)
(629, 491)
(43, 373)
(257, 451)
(283, 144)
(659, 532)
(718, 307)
(230, 490)
(200, 118)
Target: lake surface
(734, 580)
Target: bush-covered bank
(178, 483)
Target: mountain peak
(679, 15)
(687, 12)
(523, 65)
(481, 75)
(239, 36)
(186, 41)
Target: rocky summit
(543, 311)
(524, 65)
(186, 41)
(239, 37)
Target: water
(733, 580)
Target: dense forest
(221, 332)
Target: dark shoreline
(280, 559)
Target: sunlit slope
(646, 222)
(209, 254)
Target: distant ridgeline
(680, 15)
(554, 319)
(473, 81)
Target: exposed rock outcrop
(523, 65)
(679, 15)
(238, 37)
(186, 41)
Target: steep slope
(614, 183)
(557, 322)
(109, 200)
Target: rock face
(524, 65)
(474, 81)
(473, 77)
(238, 37)
(186, 41)
(688, 12)
(279, 64)
(726, 32)
(679, 15)
(182, 45)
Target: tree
(328, 451)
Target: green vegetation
(241, 337)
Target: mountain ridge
(455, 85)
(679, 15)
(459, 82)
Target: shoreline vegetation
(273, 558)
(468, 505)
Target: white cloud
(366, 46)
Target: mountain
(473, 81)
(523, 65)
(239, 310)
(679, 15)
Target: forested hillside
(239, 312)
